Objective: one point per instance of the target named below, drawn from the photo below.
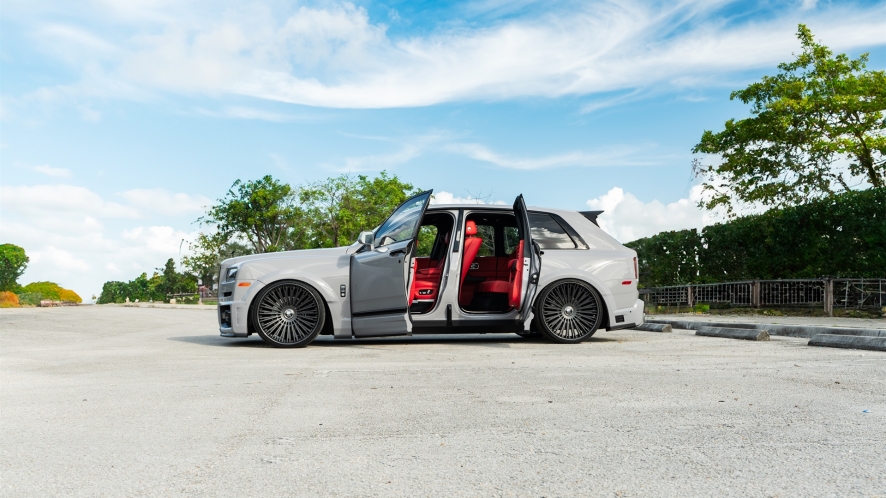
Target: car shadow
(483, 340)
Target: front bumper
(233, 319)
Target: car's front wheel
(569, 311)
(288, 314)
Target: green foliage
(263, 212)
(668, 257)
(819, 113)
(339, 208)
(842, 236)
(426, 237)
(13, 262)
(273, 216)
(207, 253)
(35, 292)
(143, 288)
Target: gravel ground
(111, 401)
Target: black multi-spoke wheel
(569, 311)
(288, 314)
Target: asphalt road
(109, 401)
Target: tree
(816, 129)
(173, 282)
(207, 253)
(263, 212)
(13, 262)
(340, 208)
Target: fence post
(689, 296)
(829, 297)
(755, 293)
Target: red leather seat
(496, 286)
(472, 247)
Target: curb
(729, 333)
(849, 342)
(654, 327)
(803, 331)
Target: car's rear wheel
(288, 314)
(569, 311)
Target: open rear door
(531, 261)
(379, 273)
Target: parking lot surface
(113, 401)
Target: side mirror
(367, 239)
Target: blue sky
(120, 120)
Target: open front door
(380, 273)
(528, 269)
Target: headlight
(231, 275)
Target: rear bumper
(629, 317)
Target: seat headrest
(470, 228)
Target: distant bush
(35, 292)
(844, 236)
(8, 300)
(154, 288)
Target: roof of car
(494, 207)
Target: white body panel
(606, 265)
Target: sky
(121, 120)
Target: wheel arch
(327, 325)
(596, 284)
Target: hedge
(843, 236)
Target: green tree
(173, 282)
(207, 253)
(263, 212)
(816, 129)
(13, 262)
(339, 208)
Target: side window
(401, 225)
(487, 233)
(427, 234)
(512, 239)
(548, 233)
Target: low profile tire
(288, 314)
(569, 311)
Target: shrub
(8, 300)
(35, 292)
(844, 236)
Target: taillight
(636, 270)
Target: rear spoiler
(591, 216)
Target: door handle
(398, 252)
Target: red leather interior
(499, 286)
(516, 279)
(472, 247)
(427, 276)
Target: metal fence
(839, 293)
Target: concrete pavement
(113, 401)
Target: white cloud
(58, 259)
(334, 56)
(627, 218)
(164, 202)
(78, 239)
(62, 207)
(50, 171)
(614, 156)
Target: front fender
(321, 285)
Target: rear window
(547, 233)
